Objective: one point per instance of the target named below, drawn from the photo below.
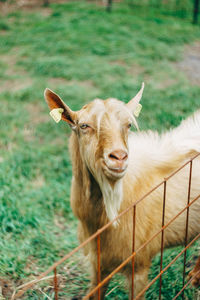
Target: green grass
(81, 52)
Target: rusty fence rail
(97, 235)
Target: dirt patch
(39, 181)
(36, 114)
(10, 6)
(36, 117)
(135, 70)
(14, 85)
(3, 32)
(166, 83)
(190, 65)
(9, 60)
(54, 82)
(11, 63)
(16, 78)
(28, 5)
(118, 62)
(5, 289)
(86, 83)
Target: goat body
(113, 167)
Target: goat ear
(133, 103)
(54, 101)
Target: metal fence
(22, 289)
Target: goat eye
(129, 125)
(84, 126)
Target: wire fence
(19, 292)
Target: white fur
(112, 196)
(151, 149)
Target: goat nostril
(118, 155)
(112, 156)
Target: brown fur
(196, 280)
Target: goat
(113, 167)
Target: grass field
(81, 52)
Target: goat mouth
(117, 170)
(114, 170)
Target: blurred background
(81, 50)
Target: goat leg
(140, 281)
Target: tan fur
(196, 271)
(151, 158)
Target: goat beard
(112, 191)
(112, 196)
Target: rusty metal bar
(55, 282)
(99, 265)
(167, 267)
(133, 250)
(162, 236)
(184, 287)
(187, 224)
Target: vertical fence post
(187, 223)
(46, 2)
(55, 281)
(109, 5)
(195, 11)
(99, 265)
(162, 236)
(133, 250)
